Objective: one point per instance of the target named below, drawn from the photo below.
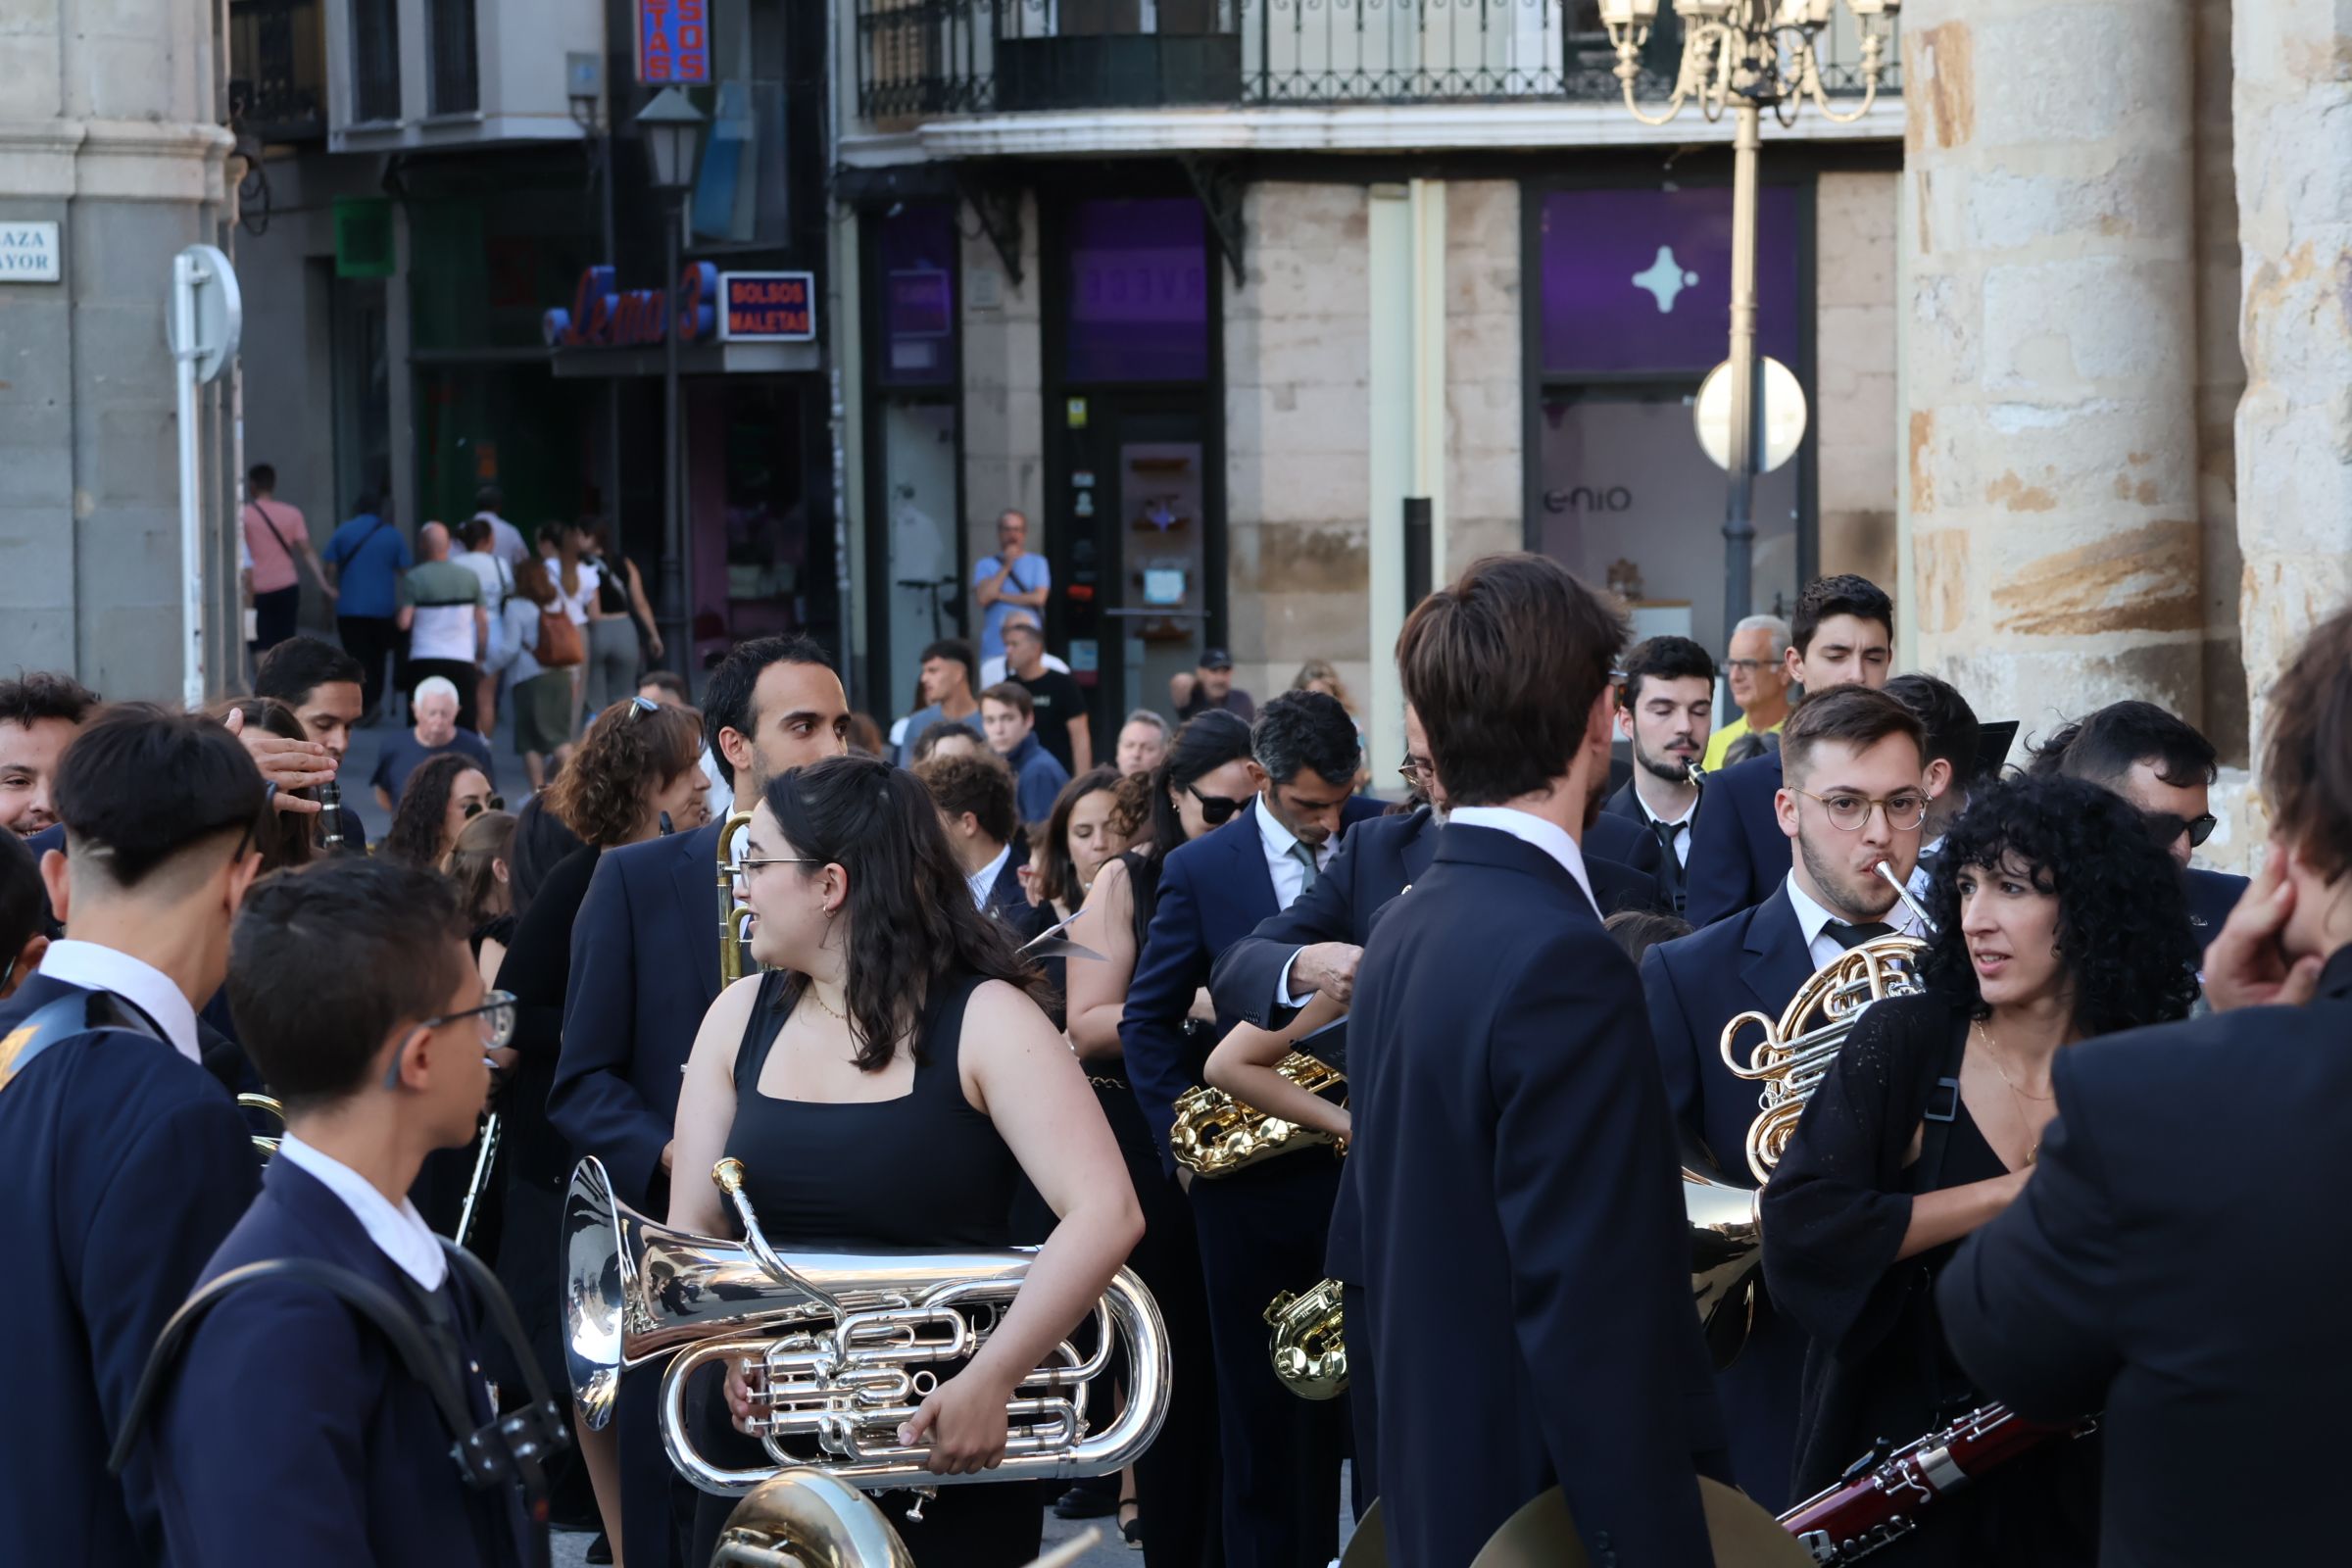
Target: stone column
(2050, 434)
(108, 128)
(2294, 425)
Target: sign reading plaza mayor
(767, 306)
(603, 317)
(674, 40)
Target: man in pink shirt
(275, 536)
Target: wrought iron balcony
(923, 57)
(277, 64)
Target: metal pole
(191, 522)
(676, 573)
(1739, 522)
(612, 383)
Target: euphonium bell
(838, 1348)
(807, 1519)
(734, 915)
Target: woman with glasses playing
(636, 774)
(885, 1086)
(440, 798)
(2056, 919)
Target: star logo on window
(1665, 279)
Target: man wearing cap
(1209, 686)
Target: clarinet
(330, 815)
(1881, 1497)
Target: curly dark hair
(631, 750)
(2123, 911)
(414, 837)
(911, 921)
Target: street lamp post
(671, 126)
(1745, 55)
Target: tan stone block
(1940, 85)
(1469, 538)
(1310, 487)
(1854, 220)
(2040, 95)
(1326, 557)
(1482, 216)
(1290, 628)
(2055, 327)
(1940, 564)
(1862, 542)
(2137, 580)
(1857, 478)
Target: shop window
(917, 260)
(456, 85)
(374, 60)
(1639, 280)
(1139, 292)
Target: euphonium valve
(1215, 1135)
(734, 917)
(837, 1348)
(1309, 1349)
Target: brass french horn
(734, 915)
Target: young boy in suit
(291, 1428)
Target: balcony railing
(920, 58)
(277, 64)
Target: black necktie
(1670, 865)
(1853, 935)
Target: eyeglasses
(1216, 809)
(495, 1010)
(474, 809)
(1751, 665)
(1414, 769)
(1851, 813)
(2168, 827)
(753, 863)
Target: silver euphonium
(837, 1348)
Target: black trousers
(465, 677)
(1262, 1231)
(273, 616)
(1364, 1478)
(372, 639)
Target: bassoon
(1881, 1498)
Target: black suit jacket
(2163, 1266)
(1672, 874)
(1738, 851)
(336, 1454)
(2212, 894)
(644, 970)
(1754, 960)
(1514, 1160)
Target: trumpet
(837, 1348)
(266, 1144)
(734, 917)
(1215, 1135)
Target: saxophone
(1215, 1135)
(1310, 1356)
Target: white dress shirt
(983, 882)
(1921, 874)
(1278, 842)
(400, 1234)
(145, 987)
(1814, 922)
(1681, 840)
(1526, 827)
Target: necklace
(814, 996)
(1992, 1055)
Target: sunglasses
(474, 809)
(2168, 827)
(1216, 809)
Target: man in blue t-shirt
(364, 560)
(435, 704)
(1012, 577)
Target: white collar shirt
(145, 987)
(983, 882)
(1925, 869)
(400, 1234)
(1282, 862)
(1814, 922)
(1681, 840)
(1526, 827)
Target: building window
(1139, 292)
(917, 255)
(1632, 308)
(456, 84)
(374, 60)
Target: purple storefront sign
(1639, 280)
(917, 248)
(1139, 292)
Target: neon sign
(605, 318)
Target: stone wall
(1486, 408)
(2220, 382)
(1003, 437)
(106, 128)
(1854, 372)
(1298, 425)
(2051, 467)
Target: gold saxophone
(1215, 1135)
(1310, 1353)
(1726, 1239)
(734, 915)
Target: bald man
(448, 625)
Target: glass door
(1157, 506)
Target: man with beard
(1853, 794)
(1842, 634)
(1665, 707)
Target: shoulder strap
(271, 525)
(769, 1008)
(1943, 1109)
(62, 1019)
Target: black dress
(1834, 1214)
(923, 1170)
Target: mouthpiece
(728, 1174)
(1885, 869)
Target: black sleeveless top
(925, 1170)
